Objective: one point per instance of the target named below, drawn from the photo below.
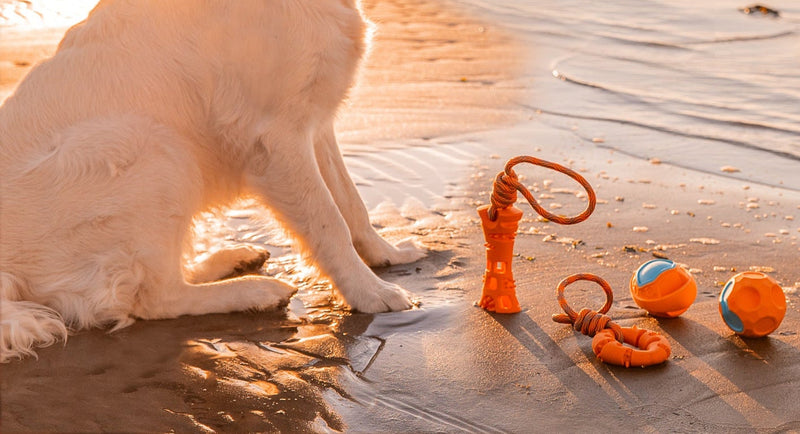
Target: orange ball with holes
(752, 304)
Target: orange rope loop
(506, 185)
(587, 321)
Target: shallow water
(697, 84)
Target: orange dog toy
(752, 304)
(500, 221)
(651, 348)
(663, 288)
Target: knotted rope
(587, 321)
(506, 186)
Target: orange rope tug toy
(500, 221)
(651, 348)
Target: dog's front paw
(383, 298)
(404, 252)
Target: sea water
(699, 84)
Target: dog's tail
(25, 324)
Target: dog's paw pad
(250, 259)
(228, 263)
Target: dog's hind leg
(231, 295)
(372, 248)
(228, 262)
(120, 193)
(174, 296)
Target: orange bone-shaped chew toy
(500, 221)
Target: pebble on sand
(705, 241)
(729, 169)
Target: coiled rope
(506, 186)
(587, 321)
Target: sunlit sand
(450, 92)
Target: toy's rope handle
(587, 321)
(506, 185)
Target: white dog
(152, 111)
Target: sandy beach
(443, 101)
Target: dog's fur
(152, 111)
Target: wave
(665, 129)
(686, 44)
(723, 107)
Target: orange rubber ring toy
(651, 348)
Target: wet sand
(432, 71)
(526, 373)
(449, 366)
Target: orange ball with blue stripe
(663, 288)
